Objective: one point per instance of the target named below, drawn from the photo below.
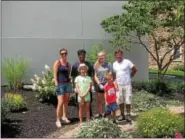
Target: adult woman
(101, 68)
(61, 72)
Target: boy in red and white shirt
(110, 96)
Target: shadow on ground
(10, 128)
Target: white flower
(32, 80)
(34, 87)
(43, 82)
(36, 76)
(47, 67)
(46, 89)
(39, 88)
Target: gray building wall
(36, 30)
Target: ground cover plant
(159, 123)
(100, 128)
(15, 102)
(144, 101)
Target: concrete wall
(36, 30)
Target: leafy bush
(92, 54)
(179, 67)
(44, 86)
(177, 87)
(158, 87)
(15, 101)
(99, 128)
(143, 101)
(5, 109)
(159, 123)
(14, 71)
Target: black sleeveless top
(63, 73)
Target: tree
(145, 18)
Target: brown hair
(97, 63)
(118, 51)
(63, 49)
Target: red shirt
(110, 92)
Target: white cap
(82, 65)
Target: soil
(37, 122)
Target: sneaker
(58, 124)
(106, 114)
(114, 121)
(66, 120)
(128, 119)
(121, 118)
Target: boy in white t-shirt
(124, 70)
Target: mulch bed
(37, 122)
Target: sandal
(58, 124)
(66, 120)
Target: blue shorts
(64, 88)
(111, 108)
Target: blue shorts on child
(112, 107)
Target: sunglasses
(65, 53)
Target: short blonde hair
(108, 76)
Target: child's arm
(105, 98)
(116, 86)
(77, 88)
(87, 91)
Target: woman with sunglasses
(61, 72)
(101, 68)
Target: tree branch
(156, 51)
(171, 59)
(175, 46)
(147, 48)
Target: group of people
(111, 82)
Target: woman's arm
(96, 78)
(55, 70)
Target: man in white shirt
(124, 70)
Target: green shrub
(92, 54)
(177, 87)
(15, 101)
(159, 123)
(179, 67)
(143, 101)
(44, 86)
(5, 109)
(158, 87)
(14, 71)
(99, 128)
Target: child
(83, 86)
(110, 96)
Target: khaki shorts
(125, 94)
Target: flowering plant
(178, 135)
(44, 86)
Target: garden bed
(38, 121)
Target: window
(177, 55)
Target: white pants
(125, 94)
